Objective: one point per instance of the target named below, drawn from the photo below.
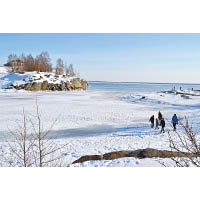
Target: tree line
(42, 63)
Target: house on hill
(15, 65)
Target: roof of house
(9, 63)
(17, 60)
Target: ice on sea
(96, 122)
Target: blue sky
(116, 57)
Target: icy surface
(102, 119)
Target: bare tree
(44, 62)
(23, 143)
(45, 144)
(41, 63)
(22, 57)
(66, 68)
(12, 57)
(33, 147)
(60, 66)
(185, 142)
(29, 63)
(70, 71)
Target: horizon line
(143, 82)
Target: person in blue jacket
(174, 121)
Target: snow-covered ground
(96, 122)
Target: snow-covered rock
(35, 81)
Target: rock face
(35, 86)
(44, 85)
(74, 84)
(140, 153)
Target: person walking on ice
(162, 123)
(159, 117)
(157, 124)
(152, 121)
(174, 121)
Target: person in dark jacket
(159, 117)
(162, 123)
(174, 121)
(157, 124)
(152, 121)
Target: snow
(94, 122)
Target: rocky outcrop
(74, 84)
(140, 153)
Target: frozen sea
(106, 117)
(138, 87)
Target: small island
(37, 74)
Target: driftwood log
(140, 153)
